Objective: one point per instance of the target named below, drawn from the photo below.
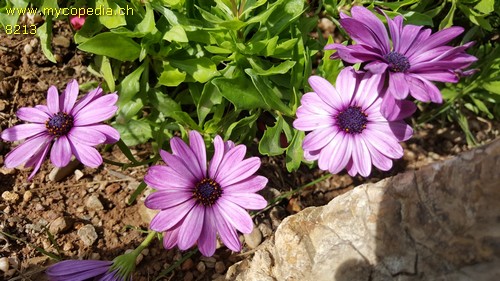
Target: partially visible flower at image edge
(196, 202)
(81, 270)
(77, 21)
(74, 126)
(414, 59)
(348, 130)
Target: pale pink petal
(88, 155)
(326, 91)
(86, 136)
(187, 156)
(31, 114)
(190, 229)
(26, 150)
(361, 156)
(347, 82)
(213, 167)
(112, 135)
(341, 153)
(369, 89)
(170, 238)
(53, 100)
(198, 146)
(92, 95)
(36, 160)
(22, 131)
(60, 155)
(319, 138)
(314, 104)
(227, 232)
(384, 142)
(93, 114)
(232, 157)
(178, 165)
(379, 160)
(311, 122)
(238, 171)
(165, 178)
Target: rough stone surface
(254, 238)
(87, 234)
(93, 203)
(441, 222)
(59, 225)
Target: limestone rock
(438, 223)
(87, 234)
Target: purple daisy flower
(75, 127)
(196, 202)
(414, 59)
(81, 270)
(347, 127)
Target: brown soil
(28, 208)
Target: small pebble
(61, 41)
(87, 234)
(220, 267)
(201, 267)
(93, 203)
(112, 188)
(2, 105)
(4, 264)
(189, 276)
(27, 196)
(59, 225)
(67, 246)
(254, 238)
(78, 174)
(187, 264)
(28, 49)
(10, 196)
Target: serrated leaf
(112, 45)
(271, 95)
(171, 76)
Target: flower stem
(145, 243)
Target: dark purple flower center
(59, 124)
(352, 120)
(207, 191)
(397, 62)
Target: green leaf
(10, 18)
(241, 92)
(448, 20)
(294, 152)
(171, 76)
(176, 34)
(270, 93)
(134, 132)
(241, 129)
(395, 5)
(210, 96)
(281, 68)
(44, 32)
(201, 69)
(186, 120)
(147, 25)
(481, 106)
(270, 143)
(418, 18)
(163, 103)
(485, 6)
(328, 68)
(111, 21)
(106, 71)
(130, 85)
(112, 45)
(493, 87)
(131, 108)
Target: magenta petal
(92, 115)
(361, 156)
(53, 100)
(365, 16)
(368, 90)
(252, 184)
(249, 201)
(111, 134)
(213, 167)
(77, 269)
(36, 160)
(238, 171)
(319, 138)
(408, 37)
(376, 67)
(26, 150)
(170, 238)
(190, 229)
(234, 214)
(32, 114)
(441, 38)
(385, 143)
(398, 86)
(342, 149)
(68, 97)
(165, 177)
(440, 76)
(187, 156)
(86, 136)
(232, 157)
(92, 95)
(397, 109)
(363, 34)
(60, 155)
(166, 219)
(208, 238)
(379, 160)
(198, 146)
(162, 200)
(178, 165)
(88, 155)
(227, 232)
(22, 131)
(326, 91)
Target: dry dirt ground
(85, 215)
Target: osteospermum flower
(196, 202)
(414, 59)
(81, 270)
(348, 130)
(73, 127)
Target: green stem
(176, 264)
(144, 243)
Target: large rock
(441, 222)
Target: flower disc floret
(352, 120)
(397, 62)
(59, 124)
(207, 191)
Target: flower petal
(60, 155)
(208, 238)
(361, 156)
(86, 136)
(166, 178)
(88, 155)
(229, 159)
(234, 214)
(326, 91)
(162, 200)
(214, 164)
(384, 142)
(178, 166)
(92, 95)
(68, 97)
(252, 184)
(32, 114)
(398, 86)
(36, 160)
(93, 114)
(187, 156)
(111, 134)
(342, 151)
(365, 16)
(238, 171)
(166, 219)
(319, 138)
(53, 100)
(227, 232)
(379, 160)
(26, 150)
(22, 131)
(170, 238)
(77, 269)
(191, 227)
(249, 201)
(198, 146)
